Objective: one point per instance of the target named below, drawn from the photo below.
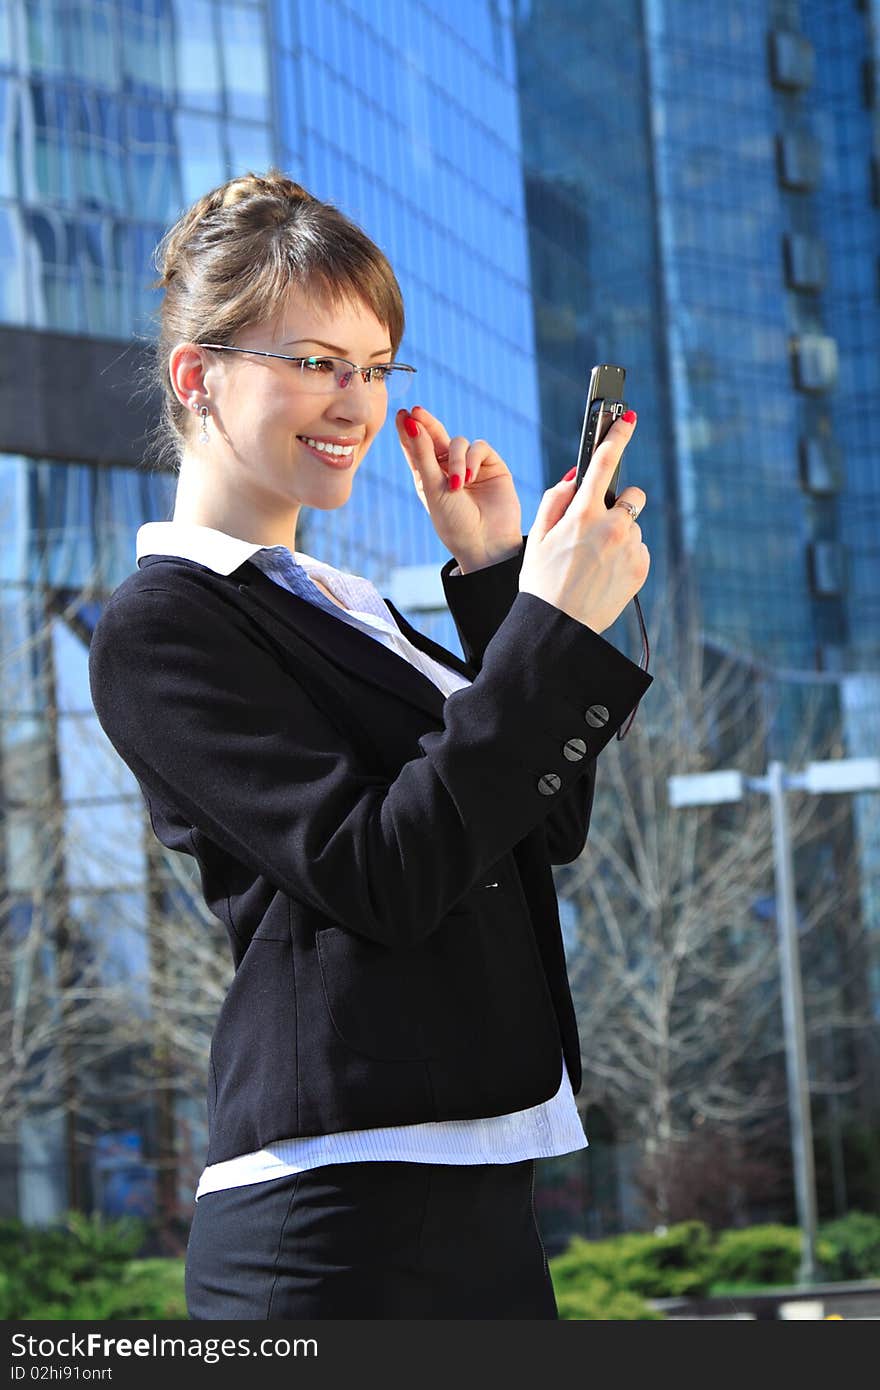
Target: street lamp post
(797, 1071)
(837, 775)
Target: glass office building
(704, 209)
(765, 126)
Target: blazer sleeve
(208, 721)
(479, 602)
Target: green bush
(54, 1271)
(671, 1265)
(582, 1261)
(155, 1297)
(653, 1266)
(611, 1279)
(146, 1290)
(855, 1242)
(761, 1255)
(596, 1300)
(155, 1289)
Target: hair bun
(273, 182)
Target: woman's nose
(357, 400)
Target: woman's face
(261, 416)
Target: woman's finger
(429, 427)
(437, 431)
(419, 452)
(480, 455)
(476, 455)
(456, 461)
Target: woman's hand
(466, 489)
(582, 556)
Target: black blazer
(379, 854)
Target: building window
(830, 656)
(799, 159)
(815, 362)
(792, 60)
(821, 465)
(805, 262)
(825, 562)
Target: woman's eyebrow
(332, 346)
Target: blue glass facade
(765, 119)
(762, 120)
(844, 105)
(594, 253)
(704, 208)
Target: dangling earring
(203, 437)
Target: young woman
(374, 818)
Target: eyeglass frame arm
(311, 357)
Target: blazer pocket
(410, 1005)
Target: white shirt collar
(203, 544)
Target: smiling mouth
(328, 456)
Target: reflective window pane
(196, 54)
(250, 147)
(202, 162)
(153, 170)
(91, 47)
(245, 61)
(148, 52)
(44, 45)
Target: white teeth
(329, 448)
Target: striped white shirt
(542, 1131)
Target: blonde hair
(229, 262)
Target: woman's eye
(382, 373)
(318, 364)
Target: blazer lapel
(287, 616)
(430, 648)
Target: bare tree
(674, 964)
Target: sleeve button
(549, 783)
(597, 715)
(575, 749)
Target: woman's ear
(187, 369)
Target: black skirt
(373, 1239)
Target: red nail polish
(467, 475)
(454, 482)
(629, 416)
(570, 474)
(411, 428)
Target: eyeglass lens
(320, 375)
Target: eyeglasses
(321, 376)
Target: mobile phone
(605, 404)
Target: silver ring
(633, 511)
